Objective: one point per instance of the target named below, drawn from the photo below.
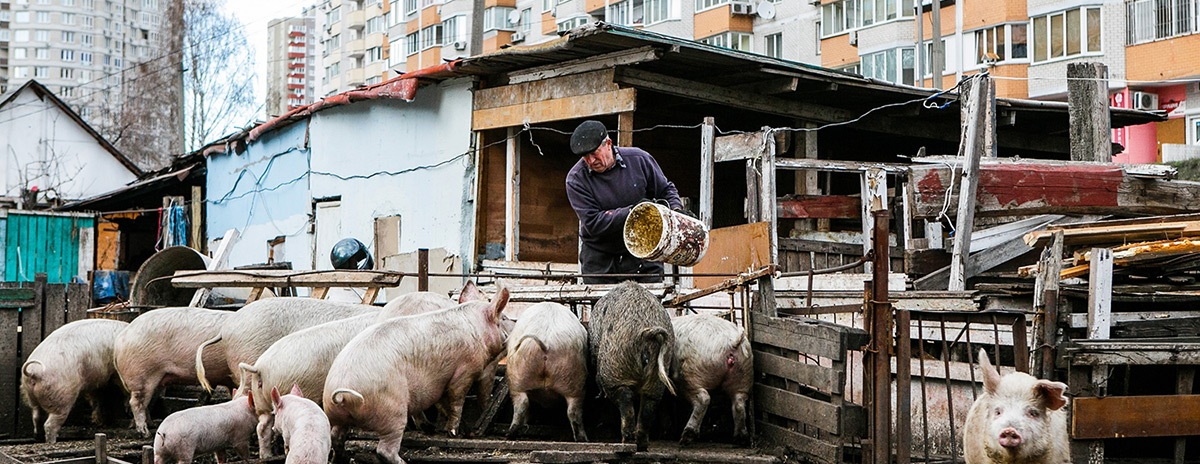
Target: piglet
(1019, 419)
(303, 425)
(206, 429)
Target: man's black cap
(588, 137)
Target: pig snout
(1010, 438)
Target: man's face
(602, 158)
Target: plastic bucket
(655, 233)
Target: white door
(329, 231)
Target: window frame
(1044, 42)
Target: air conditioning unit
(460, 45)
(742, 8)
(518, 37)
(1145, 101)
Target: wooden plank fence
(29, 311)
(800, 385)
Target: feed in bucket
(655, 233)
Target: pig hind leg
(575, 415)
(456, 395)
(520, 401)
(740, 433)
(624, 398)
(645, 419)
(337, 438)
(139, 402)
(699, 399)
(389, 446)
(266, 435)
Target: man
(603, 186)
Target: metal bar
(422, 269)
(863, 260)
(881, 343)
(974, 388)
(949, 396)
(924, 393)
(903, 387)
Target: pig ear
(470, 292)
(500, 302)
(1051, 393)
(275, 397)
(296, 391)
(991, 377)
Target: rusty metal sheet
(1135, 416)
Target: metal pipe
(903, 387)
(830, 270)
(881, 342)
(924, 393)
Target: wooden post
(101, 448)
(197, 210)
(975, 132)
(1087, 107)
(708, 134)
(938, 55)
(751, 207)
(1183, 386)
(512, 197)
(1048, 276)
(147, 454)
(873, 186)
(625, 129)
(1100, 294)
(766, 191)
(422, 269)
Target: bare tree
(146, 123)
(218, 73)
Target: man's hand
(685, 212)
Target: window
(89, 22)
(86, 39)
(66, 73)
(706, 4)
(412, 46)
(627, 12)
(818, 29)
(496, 19)
(526, 25)
(374, 54)
(66, 91)
(375, 25)
(334, 43)
(85, 57)
(896, 65)
(18, 53)
(42, 36)
(68, 2)
(572, 23)
(43, 54)
(20, 71)
(68, 55)
(1066, 33)
(396, 54)
(1000, 43)
(547, 5)
(410, 6)
(734, 40)
(1194, 124)
(89, 4)
(658, 11)
(1148, 20)
(4, 35)
(5, 15)
(333, 16)
(40, 71)
(373, 80)
(68, 37)
(773, 45)
(43, 17)
(69, 18)
(334, 69)
(846, 15)
(450, 30)
(431, 36)
(22, 16)
(839, 17)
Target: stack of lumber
(1161, 245)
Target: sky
(254, 16)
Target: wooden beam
(738, 99)
(766, 193)
(283, 278)
(197, 210)
(1148, 171)
(738, 146)
(218, 262)
(978, 129)
(582, 65)
(567, 97)
(1100, 294)
(1134, 352)
(512, 197)
(799, 164)
(818, 206)
(1135, 416)
(707, 158)
(771, 86)
(873, 188)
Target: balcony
(356, 48)
(354, 77)
(355, 19)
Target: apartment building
(82, 50)
(353, 43)
(1151, 48)
(291, 63)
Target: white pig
(712, 353)
(407, 364)
(253, 328)
(75, 359)
(304, 427)
(1019, 419)
(303, 358)
(157, 349)
(206, 429)
(547, 357)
